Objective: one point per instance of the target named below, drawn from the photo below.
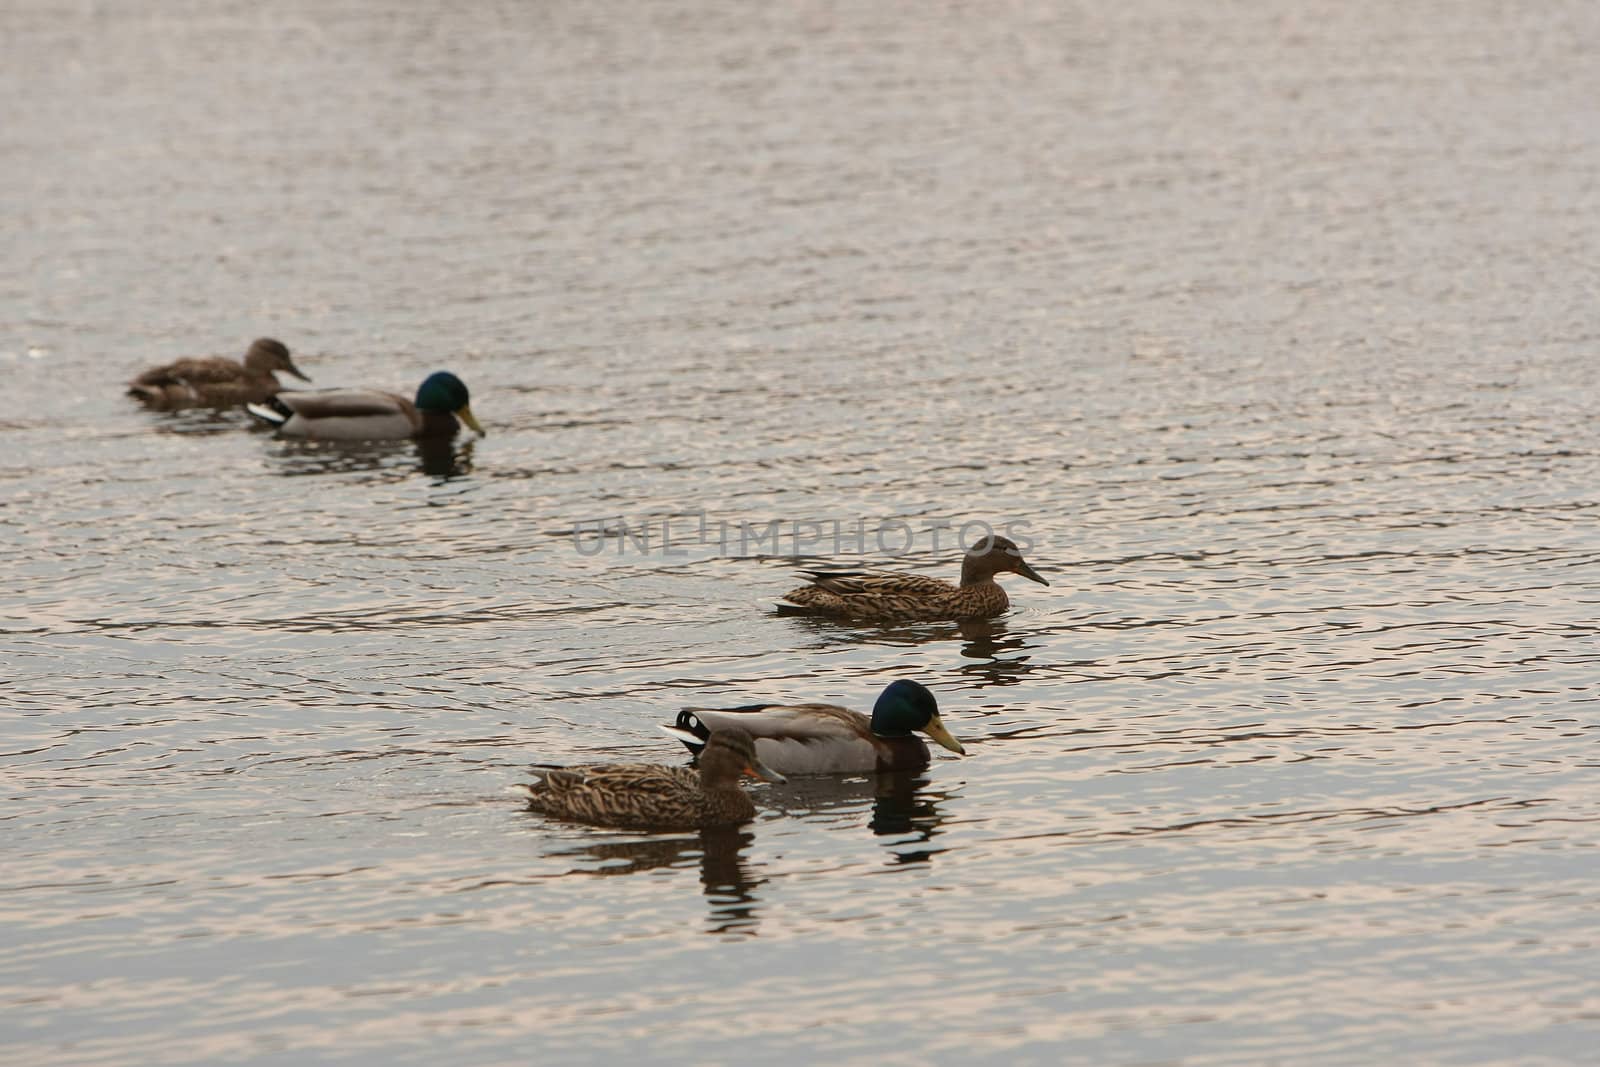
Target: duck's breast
(904, 753)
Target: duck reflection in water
(725, 875)
(1001, 656)
(197, 422)
(903, 805)
(990, 640)
(904, 810)
(445, 460)
(441, 460)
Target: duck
(887, 597)
(216, 381)
(654, 797)
(371, 415)
(826, 738)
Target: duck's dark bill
(1028, 572)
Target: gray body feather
(806, 738)
(346, 415)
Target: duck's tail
(688, 729)
(271, 411)
(150, 394)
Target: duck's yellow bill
(935, 729)
(464, 413)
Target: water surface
(1275, 326)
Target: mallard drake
(825, 738)
(648, 796)
(216, 381)
(369, 415)
(911, 597)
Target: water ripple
(1277, 336)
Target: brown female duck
(215, 382)
(880, 597)
(648, 796)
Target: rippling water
(1275, 324)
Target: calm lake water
(1272, 326)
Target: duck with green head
(876, 596)
(370, 415)
(828, 739)
(214, 381)
(652, 797)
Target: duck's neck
(883, 730)
(716, 776)
(975, 570)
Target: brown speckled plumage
(649, 796)
(215, 381)
(877, 597)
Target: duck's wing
(614, 777)
(210, 371)
(610, 792)
(877, 583)
(343, 415)
(869, 595)
(343, 403)
(790, 738)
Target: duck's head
(730, 753)
(906, 706)
(443, 392)
(991, 555)
(265, 354)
